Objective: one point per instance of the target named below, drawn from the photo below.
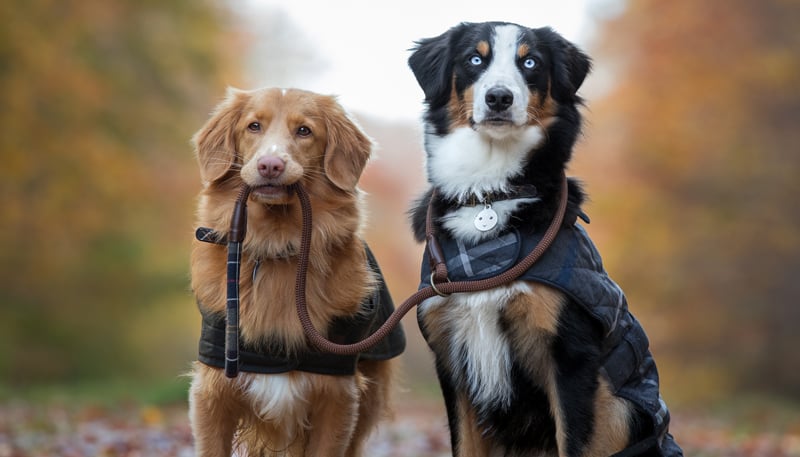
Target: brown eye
(303, 131)
(254, 127)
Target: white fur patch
(503, 72)
(460, 223)
(465, 162)
(476, 338)
(276, 398)
(292, 171)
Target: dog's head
(496, 77)
(272, 138)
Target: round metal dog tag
(486, 219)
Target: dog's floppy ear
(570, 67)
(348, 148)
(432, 65)
(215, 142)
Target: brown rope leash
(443, 288)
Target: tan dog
(269, 139)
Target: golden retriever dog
(288, 400)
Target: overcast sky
(358, 49)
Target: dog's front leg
(333, 417)
(212, 414)
(470, 441)
(375, 391)
(573, 397)
(466, 438)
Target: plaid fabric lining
(489, 258)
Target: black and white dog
(553, 363)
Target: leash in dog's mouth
(272, 190)
(440, 285)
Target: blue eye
(475, 60)
(529, 63)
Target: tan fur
(533, 323)
(542, 109)
(460, 108)
(614, 413)
(483, 48)
(471, 442)
(320, 414)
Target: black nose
(499, 98)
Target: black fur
(527, 425)
(438, 62)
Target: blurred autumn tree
(97, 179)
(701, 125)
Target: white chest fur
(281, 399)
(480, 355)
(466, 162)
(461, 222)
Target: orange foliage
(99, 101)
(706, 236)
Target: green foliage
(99, 101)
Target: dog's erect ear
(347, 150)
(215, 142)
(432, 65)
(570, 66)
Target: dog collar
(208, 235)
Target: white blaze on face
(503, 73)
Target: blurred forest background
(691, 156)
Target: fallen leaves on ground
(419, 429)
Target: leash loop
(440, 284)
(442, 288)
(435, 255)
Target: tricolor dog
(552, 364)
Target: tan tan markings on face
(523, 50)
(483, 48)
(460, 107)
(541, 108)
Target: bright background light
(358, 49)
